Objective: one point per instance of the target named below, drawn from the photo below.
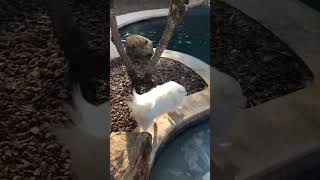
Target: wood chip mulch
(265, 67)
(33, 89)
(121, 90)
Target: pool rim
(191, 121)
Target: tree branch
(176, 10)
(116, 39)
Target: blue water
(312, 174)
(192, 35)
(187, 157)
(315, 4)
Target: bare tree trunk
(176, 10)
(124, 57)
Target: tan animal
(138, 47)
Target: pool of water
(315, 4)
(186, 156)
(312, 174)
(192, 35)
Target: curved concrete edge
(273, 140)
(201, 68)
(296, 24)
(129, 18)
(172, 130)
(193, 4)
(306, 158)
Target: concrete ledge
(290, 168)
(194, 108)
(129, 18)
(198, 66)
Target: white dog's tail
(135, 95)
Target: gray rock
(130, 155)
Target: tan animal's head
(138, 47)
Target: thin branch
(176, 10)
(124, 57)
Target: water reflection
(185, 158)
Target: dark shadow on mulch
(121, 89)
(265, 67)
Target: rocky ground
(121, 89)
(33, 88)
(265, 67)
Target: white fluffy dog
(163, 98)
